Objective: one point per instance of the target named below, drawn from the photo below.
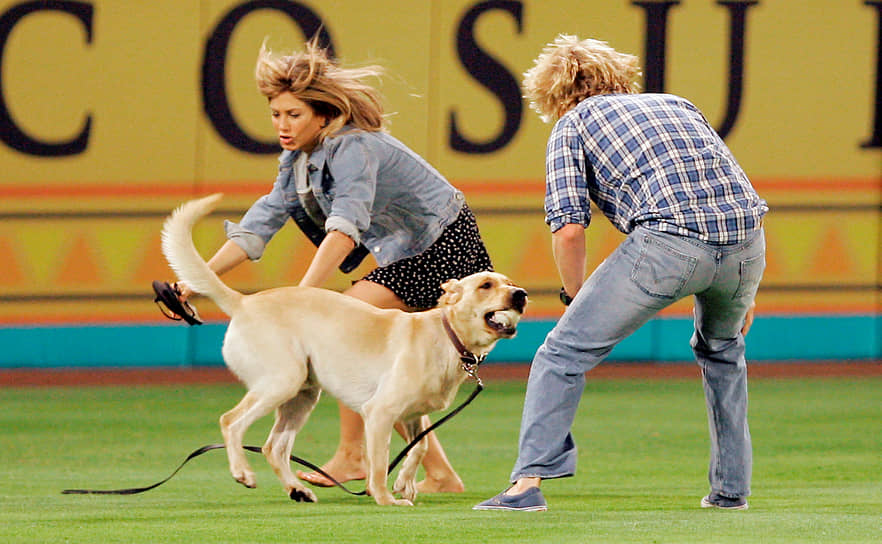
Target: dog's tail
(190, 267)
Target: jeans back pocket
(750, 273)
(661, 271)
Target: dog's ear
(452, 292)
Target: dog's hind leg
(405, 483)
(234, 423)
(290, 418)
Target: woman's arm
(333, 249)
(229, 256)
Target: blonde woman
(661, 175)
(362, 188)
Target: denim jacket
(370, 186)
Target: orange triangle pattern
(802, 250)
(537, 259)
(79, 266)
(152, 264)
(11, 273)
(833, 257)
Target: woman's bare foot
(449, 484)
(316, 479)
(342, 467)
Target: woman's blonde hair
(569, 70)
(332, 91)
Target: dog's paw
(388, 500)
(246, 478)
(406, 488)
(302, 495)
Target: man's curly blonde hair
(332, 91)
(569, 70)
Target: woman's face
(295, 122)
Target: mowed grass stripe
(642, 469)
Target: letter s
(491, 74)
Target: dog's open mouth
(503, 322)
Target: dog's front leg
(378, 431)
(405, 484)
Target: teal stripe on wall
(662, 339)
(770, 339)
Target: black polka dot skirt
(458, 252)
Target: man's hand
(748, 319)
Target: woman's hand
(183, 290)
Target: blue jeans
(649, 271)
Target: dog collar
(469, 360)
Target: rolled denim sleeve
(259, 224)
(252, 244)
(335, 222)
(354, 167)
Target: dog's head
(486, 306)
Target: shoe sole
(707, 504)
(512, 508)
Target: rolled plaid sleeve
(566, 178)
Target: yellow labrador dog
(288, 344)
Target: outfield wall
(112, 113)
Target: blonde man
(361, 188)
(661, 175)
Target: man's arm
(568, 245)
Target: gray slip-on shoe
(715, 500)
(530, 500)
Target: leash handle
(204, 449)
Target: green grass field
(643, 461)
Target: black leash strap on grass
(204, 449)
(135, 490)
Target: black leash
(469, 362)
(204, 449)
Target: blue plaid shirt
(651, 160)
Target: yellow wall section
(79, 235)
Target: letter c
(10, 133)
